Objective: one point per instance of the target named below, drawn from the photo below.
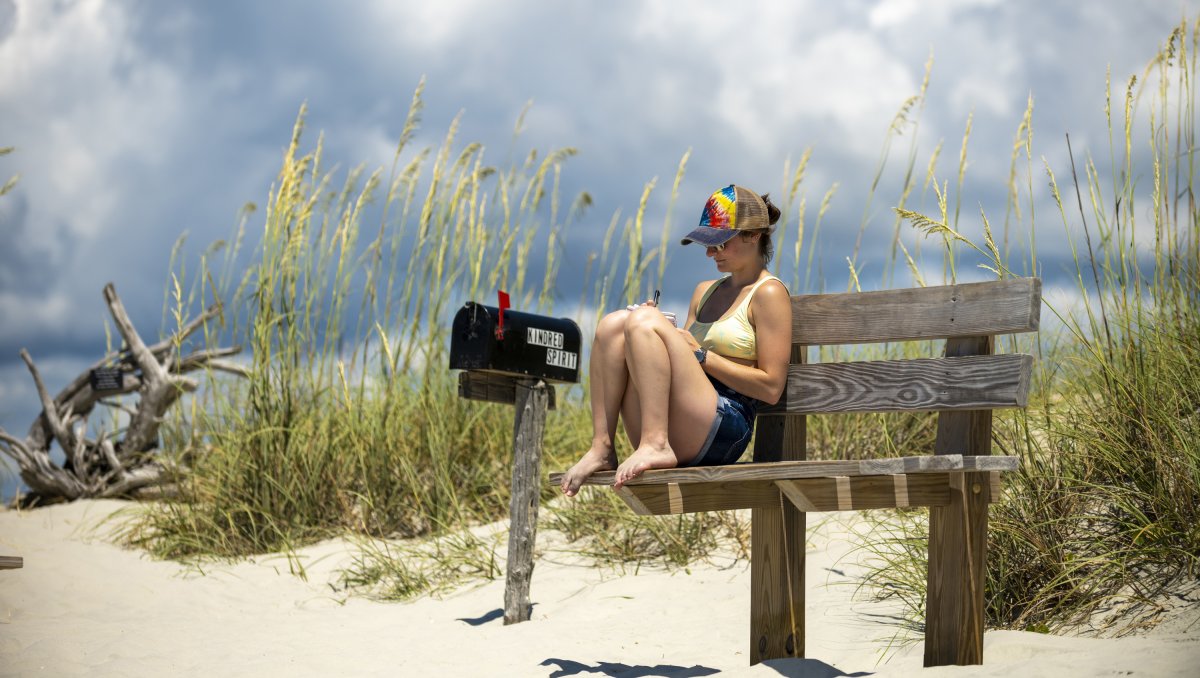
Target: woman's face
(738, 251)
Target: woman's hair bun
(772, 211)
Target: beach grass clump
(406, 569)
(1101, 517)
(350, 419)
(1110, 491)
(600, 526)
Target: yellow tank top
(731, 336)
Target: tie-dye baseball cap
(729, 210)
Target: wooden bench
(957, 482)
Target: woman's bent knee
(612, 325)
(644, 318)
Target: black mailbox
(529, 345)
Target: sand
(83, 606)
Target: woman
(688, 396)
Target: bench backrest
(968, 379)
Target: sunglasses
(721, 247)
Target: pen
(656, 297)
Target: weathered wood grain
(928, 384)
(834, 493)
(675, 498)
(777, 535)
(958, 535)
(997, 307)
(528, 426)
(844, 493)
(11, 562)
(632, 501)
(784, 470)
(495, 388)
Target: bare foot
(645, 457)
(598, 458)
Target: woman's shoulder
(771, 292)
(772, 287)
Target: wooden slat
(991, 464)
(867, 492)
(998, 307)
(11, 562)
(900, 489)
(784, 470)
(835, 493)
(928, 384)
(675, 498)
(632, 501)
(495, 388)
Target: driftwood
(113, 463)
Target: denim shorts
(731, 428)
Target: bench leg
(776, 583)
(957, 553)
(777, 547)
(958, 534)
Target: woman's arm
(771, 313)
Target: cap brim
(709, 236)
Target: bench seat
(811, 486)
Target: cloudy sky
(137, 120)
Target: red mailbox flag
(503, 296)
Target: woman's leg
(610, 380)
(678, 402)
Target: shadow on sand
(790, 668)
(566, 667)
(808, 668)
(486, 617)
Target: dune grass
(351, 424)
(350, 420)
(1102, 515)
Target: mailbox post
(514, 358)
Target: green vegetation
(351, 424)
(359, 429)
(1103, 512)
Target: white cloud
(89, 100)
(890, 13)
(794, 71)
(429, 26)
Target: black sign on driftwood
(105, 379)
